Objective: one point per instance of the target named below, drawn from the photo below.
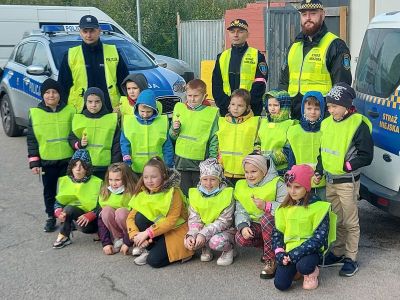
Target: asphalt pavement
(31, 269)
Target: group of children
(238, 180)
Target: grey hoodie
(137, 78)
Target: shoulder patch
(262, 66)
(346, 61)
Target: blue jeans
(284, 274)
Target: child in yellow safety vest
(97, 131)
(304, 228)
(211, 209)
(194, 126)
(157, 222)
(271, 137)
(132, 86)
(257, 198)
(236, 133)
(117, 190)
(145, 134)
(47, 140)
(304, 139)
(346, 147)
(77, 198)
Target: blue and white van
(377, 84)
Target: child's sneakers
(269, 270)
(350, 267)
(50, 225)
(206, 254)
(61, 241)
(142, 258)
(136, 251)
(331, 260)
(226, 258)
(117, 245)
(311, 281)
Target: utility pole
(139, 22)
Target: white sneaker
(206, 254)
(117, 244)
(226, 258)
(137, 251)
(142, 259)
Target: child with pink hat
(304, 228)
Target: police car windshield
(135, 58)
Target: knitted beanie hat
(211, 167)
(284, 100)
(94, 91)
(83, 155)
(259, 161)
(341, 94)
(300, 174)
(50, 84)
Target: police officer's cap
(310, 4)
(88, 21)
(238, 23)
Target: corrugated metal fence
(200, 40)
(282, 25)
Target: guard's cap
(310, 4)
(88, 21)
(238, 23)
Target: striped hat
(310, 4)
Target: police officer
(239, 67)
(92, 64)
(316, 60)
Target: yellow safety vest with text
(298, 223)
(236, 141)
(305, 146)
(210, 208)
(248, 69)
(244, 194)
(310, 73)
(100, 134)
(336, 140)
(195, 130)
(76, 62)
(146, 140)
(155, 207)
(83, 195)
(51, 130)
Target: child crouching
(211, 215)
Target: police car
(377, 84)
(38, 56)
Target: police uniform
(93, 57)
(239, 67)
(325, 61)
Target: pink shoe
(311, 281)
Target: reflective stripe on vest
(235, 142)
(83, 195)
(146, 140)
(195, 130)
(273, 137)
(154, 207)
(305, 146)
(126, 109)
(248, 68)
(115, 200)
(298, 223)
(244, 194)
(336, 140)
(310, 73)
(210, 208)
(100, 134)
(76, 62)
(51, 130)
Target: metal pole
(138, 21)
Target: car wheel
(8, 119)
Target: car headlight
(179, 86)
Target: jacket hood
(174, 180)
(148, 98)
(306, 124)
(284, 100)
(137, 78)
(98, 92)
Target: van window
(40, 57)
(24, 54)
(378, 67)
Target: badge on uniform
(346, 61)
(262, 66)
